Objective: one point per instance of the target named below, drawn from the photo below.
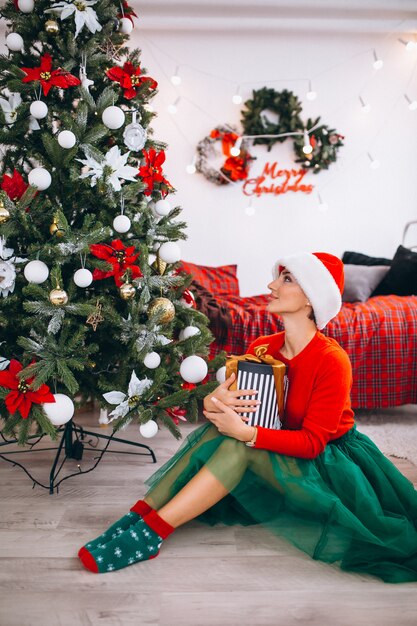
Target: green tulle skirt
(349, 505)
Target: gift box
(267, 376)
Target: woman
(316, 482)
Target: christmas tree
(93, 302)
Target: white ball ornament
(149, 429)
(221, 374)
(121, 223)
(152, 360)
(67, 139)
(193, 369)
(38, 109)
(170, 252)
(26, 6)
(125, 26)
(40, 177)
(60, 411)
(14, 42)
(189, 331)
(83, 277)
(36, 272)
(113, 117)
(162, 207)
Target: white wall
(367, 209)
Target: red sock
(159, 525)
(141, 508)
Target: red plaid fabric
(379, 335)
(220, 280)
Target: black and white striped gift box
(260, 376)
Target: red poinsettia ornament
(14, 185)
(130, 78)
(22, 397)
(120, 257)
(49, 78)
(151, 172)
(236, 168)
(177, 414)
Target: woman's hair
(312, 317)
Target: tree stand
(72, 446)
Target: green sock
(137, 511)
(140, 542)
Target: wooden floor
(221, 576)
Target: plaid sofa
(379, 335)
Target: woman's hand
(232, 398)
(228, 422)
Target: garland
(325, 142)
(285, 104)
(234, 168)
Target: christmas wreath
(234, 168)
(325, 142)
(284, 104)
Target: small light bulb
(374, 164)
(176, 80)
(412, 104)
(190, 168)
(250, 210)
(366, 107)
(323, 206)
(172, 108)
(237, 98)
(307, 148)
(311, 94)
(149, 108)
(410, 45)
(378, 63)
(234, 151)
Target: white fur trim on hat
(317, 283)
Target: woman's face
(286, 295)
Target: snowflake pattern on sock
(114, 531)
(137, 543)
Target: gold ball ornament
(55, 229)
(163, 308)
(52, 27)
(4, 213)
(58, 296)
(127, 291)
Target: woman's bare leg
(199, 494)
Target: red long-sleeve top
(318, 407)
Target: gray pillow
(361, 280)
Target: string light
(173, 108)
(366, 107)
(237, 98)
(307, 147)
(250, 210)
(176, 78)
(374, 162)
(409, 45)
(412, 104)
(378, 63)
(323, 206)
(311, 94)
(235, 151)
(191, 168)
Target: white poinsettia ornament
(125, 402)
(114, 162)
(10, 106)
(83, 13)
(7, 268)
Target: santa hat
(321, 277)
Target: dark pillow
(361, 280)
(401, 279)
(220, 281)
(357, 258)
